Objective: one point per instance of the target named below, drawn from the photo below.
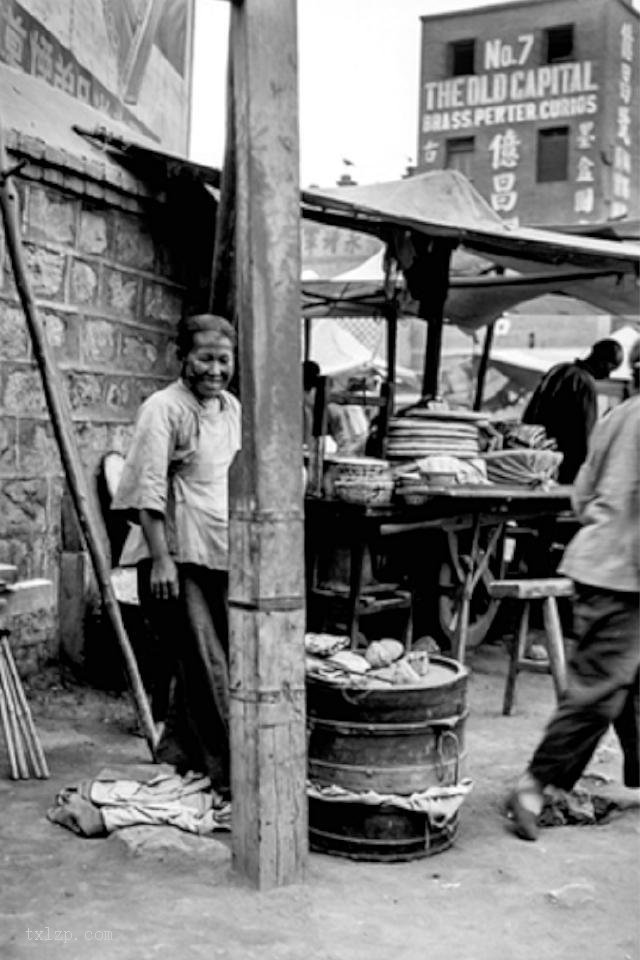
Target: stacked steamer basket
(422, 433)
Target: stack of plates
(426, 432)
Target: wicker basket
(366, 492)
(360, 468)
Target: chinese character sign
(504, 150)
(623, 148)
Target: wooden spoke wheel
(451, 575)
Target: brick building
(116, 255)
(537, 103)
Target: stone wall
(108, 291)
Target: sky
(359, 63)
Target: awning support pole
(435, 287)
(484, 363)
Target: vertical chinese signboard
(130, 59)
(623, 143)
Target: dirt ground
(571, 896)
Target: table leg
(467, 591)
(477, 563)
(356, 552)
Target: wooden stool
(527, 590)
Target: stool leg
(555, 645)
(517, 653)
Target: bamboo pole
(34, 747)
(8, 736)
(18, 746)
(60, 414)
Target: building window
(462, 54)
(553, 154)
(559, 43)
(459, 155)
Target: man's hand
(164, 581)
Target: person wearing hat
(565, 403)
(603, 560)
(175, 484)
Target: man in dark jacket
(565, 403)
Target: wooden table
(481, 512)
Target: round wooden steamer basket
(398, 740)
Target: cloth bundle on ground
(581, 806)
(116, 798)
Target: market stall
(385, 534)
(446, 251)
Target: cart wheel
(450, 582)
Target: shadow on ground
(574, 894)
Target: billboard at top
(130, 59)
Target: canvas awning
(445, 204)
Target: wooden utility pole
(266, 588)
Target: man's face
(209, 365)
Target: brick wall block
(84, 282)
(99, 341)
(133, 244)
(14, 339)
(51, 216)
(62, 334)
(121, 395)
(120, 292)
(32, 640)
(161, 303)
(22, 506)
(46, 270)
(56, 486)
(23, 394)
(94, 231)
(139, 353)
(171, 364)
(84, 390)
(8, 446)
(37, 449)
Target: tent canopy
(444, 204)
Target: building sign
(525, 94)
(621, 177)
(126, 58)
(504, 149)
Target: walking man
(603, 559)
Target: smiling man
(175, 480)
